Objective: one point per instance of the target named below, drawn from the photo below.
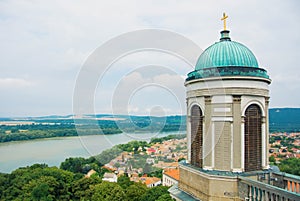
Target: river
(53, 151)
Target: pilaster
(208, 135)
(237, 133)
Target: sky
(45, 44)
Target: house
(151, 181)
(150, 151)
(110, 167)
(110, 177)
(90, 173)
(170, 177)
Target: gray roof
(180, 194)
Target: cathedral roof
(227, 58)
(226, 53)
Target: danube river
(53, 151)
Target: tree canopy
(42, 183)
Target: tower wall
(208, 187)
(232, 92)
(223, 103)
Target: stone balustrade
(252, 190)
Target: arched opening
(253, 138)
(196, 136)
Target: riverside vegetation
(43, 183)
(47, 128)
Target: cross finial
(224, 20)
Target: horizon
(105, 114)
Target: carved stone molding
(207, 99)
(236, 98)
(267, 100)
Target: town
(283, 146)
(158, 164)
(155, 165)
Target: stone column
(242, 145)
(188, 130)
(264, 144)
(267, 133)
(237, 165)
(188, 135)
(208, 135)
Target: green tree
(73, 165)
(272, 159)
(109, 154)
(135, 192)
(165, 197)
(84, 188)
(4, 182)
(291, 165)
(108, 191)
(154, 193)
(124, 181)
(23, 181)
(41, 193)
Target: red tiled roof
(173, 173)
(150, 180)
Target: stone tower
(227, 120)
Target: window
(253, 138)
(196, 136)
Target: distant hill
(280, 120)
(284, 119)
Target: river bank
(53, 151)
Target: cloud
(47, 42)
(14, 83)
(141, 92)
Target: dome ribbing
(227, 58)
(226, 53)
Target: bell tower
(227, 120)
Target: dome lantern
(225, 35)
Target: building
(170, 177)
(151, 181)
(90, 173)
(110, 177)
(227, 130)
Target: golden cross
(224, 20)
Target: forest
(42, 183)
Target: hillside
(284, 119)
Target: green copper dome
(227, 58)
(226, 53)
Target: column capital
(236, 98)
(207, 99)
(242, 119)
(267, 100)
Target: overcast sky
(43, 45)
